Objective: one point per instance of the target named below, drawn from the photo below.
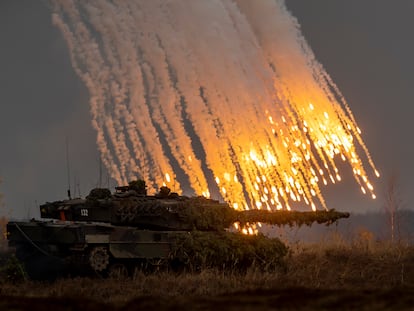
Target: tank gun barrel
(291, 218)
(220, 216)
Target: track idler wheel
(99, 258)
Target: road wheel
(99, 258)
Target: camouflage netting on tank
(99, 194)
(207, 215)
(228, 251)
(139, 186)
(199, 213)
(176, 213)
(167, 210)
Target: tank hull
(81, 248)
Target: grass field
(363, 275)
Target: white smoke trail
(222, 87)
(85, 48)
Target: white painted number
(84, 212)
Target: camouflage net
(99, 194)
(227, 251)
(208, 215)
(170, 211)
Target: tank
(114, 233)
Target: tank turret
(131, 206)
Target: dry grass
(362, 265)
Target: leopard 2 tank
(114, 233)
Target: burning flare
(192, 88)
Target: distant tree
(393, 206)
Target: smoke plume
(222, 94)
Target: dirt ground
(258, 300)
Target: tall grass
(357, 265)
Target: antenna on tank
(76, 187)
(67, 166)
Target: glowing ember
(232, 84)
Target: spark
(167, 177)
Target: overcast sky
(366, 47)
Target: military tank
(114, 233)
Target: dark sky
(366, 47)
